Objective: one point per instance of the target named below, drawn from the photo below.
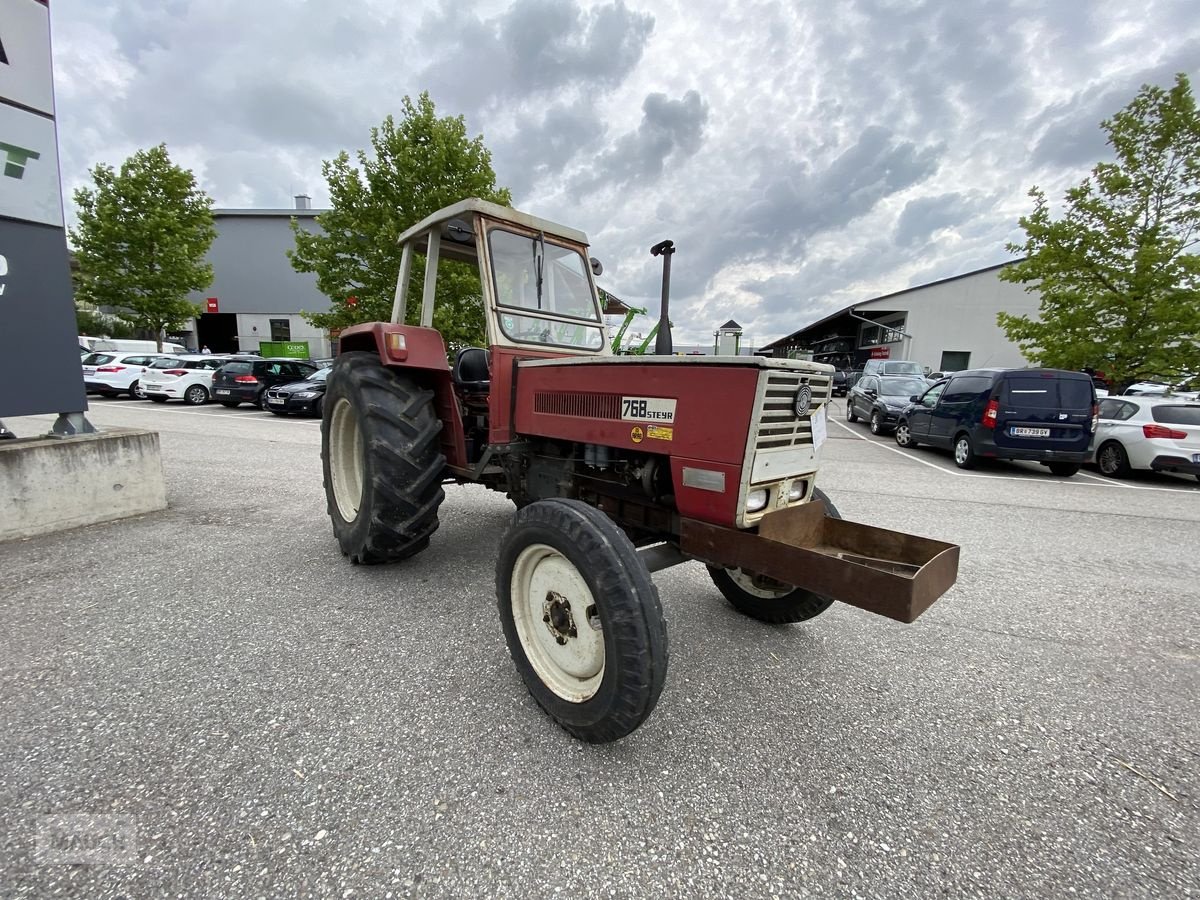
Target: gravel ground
(212, 701)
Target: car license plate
(224, 392)
(275, 401)
(1019, 431)
(89, 370)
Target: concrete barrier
(53, 483)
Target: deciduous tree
(1118, 275)
(416, 166)
(141, 238)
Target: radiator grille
(571, 403)
(778, 425)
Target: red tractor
(618, 465)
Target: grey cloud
(670, 129)
(540, 148)
(925, 215)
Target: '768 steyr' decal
(648, 409)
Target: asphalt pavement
(211, 701)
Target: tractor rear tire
(582, 619)
(771, 601)
(381, 460)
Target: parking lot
(265, 718)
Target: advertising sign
(39, 356)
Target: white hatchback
(111, 372)
(186, 378)
(1148, 432)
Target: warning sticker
(636, 434)
(653, 409)
(660, 432)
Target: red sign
(881, 352)
(212, 305)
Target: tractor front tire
(768, 600)
(582, 619)
(381, 460)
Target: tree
(141, 238)
(418, 165)
(1118, 276)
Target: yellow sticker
(636, 434)
(660, 432)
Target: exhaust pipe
(662, 342)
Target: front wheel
(766, 599)
(851, 416)
(904, 436)
(381, 460)
(964, 453)
(582, 619)
(877, 426)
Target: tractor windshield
(543, 292)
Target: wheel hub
(558, 618)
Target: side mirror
(870, 392)
(597, 266)
(458, 230)
(914, 399)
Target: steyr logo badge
(803, 400)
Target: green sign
(284, 348)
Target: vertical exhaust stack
(662, 343)
(303, 201)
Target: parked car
(299, 396)
(840, 382)
(186, 378)
(323, 362)
(893, 367)
(246, 380)
(1161, 434)
(881, 398)
(112, 373)
(1042, 415)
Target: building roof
(908, 290)
(289, 213)
(730, 326)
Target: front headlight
(795, 493)
(756, 500)
(304, 395)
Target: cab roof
(465, 208)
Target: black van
(1042, 415)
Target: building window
(955, 360)
(281, 329)
(888, 331)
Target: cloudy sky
(802, 155)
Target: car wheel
(196, 395)
(904, 435)
(136, 391)
(261, 400)
(964, 453)
(850, 414)
(1112, 460)
(1065, 470)
(876, 422)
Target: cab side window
(930, 398)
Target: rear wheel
(261, 400)
(1066, 470)
(765, 598)
(964, 453)
(196, 395)
(136, 392)
(1112, 460)
(582, 619)
(381, 460)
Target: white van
(122, 345)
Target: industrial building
(947, 325)
(255, 294)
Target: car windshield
(319, 375)
(545, 282)
(902, 387)
(901, 368)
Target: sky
(802, 156)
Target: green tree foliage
(95, 324)
(1118, 276)
(418, 165)
(141, 238)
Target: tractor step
(891, 573)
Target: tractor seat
(472, 370)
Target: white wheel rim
(557, 623)
(960, 452)
(746, 581)
(346, 459)
(901, 434)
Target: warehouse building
(256, 295)
(946, 326)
